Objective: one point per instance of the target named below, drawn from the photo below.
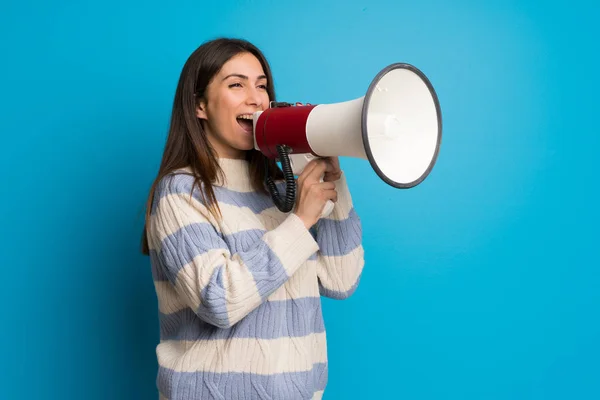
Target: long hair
(187, 144)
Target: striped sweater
(239, 298)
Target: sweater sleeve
(340, 259)
(221, 287)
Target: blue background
(481, 283)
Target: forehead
(244, 64)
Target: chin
(246, 146)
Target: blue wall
(481, 283)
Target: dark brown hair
(187, 144)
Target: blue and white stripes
(239, 299)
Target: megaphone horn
(397, 126)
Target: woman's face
(237, 91)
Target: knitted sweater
(239, 298)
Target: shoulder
(178, 183)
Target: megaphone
(396, 126)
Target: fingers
(314, 193)
(325, 190)
(326, 185)
(320, 187)
(330, 195)
(313, 170)
(330, 165)
(325, 168)
(334, 165)
(333, 171)
(332, 177)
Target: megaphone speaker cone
(401, 125)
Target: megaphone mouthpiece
(282, 125)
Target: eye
(263, 87)
(237, 84)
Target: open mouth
(246, 122)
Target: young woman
(239, 282)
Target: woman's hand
(333, 171)
(312, 194)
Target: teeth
(245, 116)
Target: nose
(254, 98)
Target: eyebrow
(244, 76)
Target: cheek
(266, 100)
(230, 103)
(223, 109)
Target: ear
(201, 110)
